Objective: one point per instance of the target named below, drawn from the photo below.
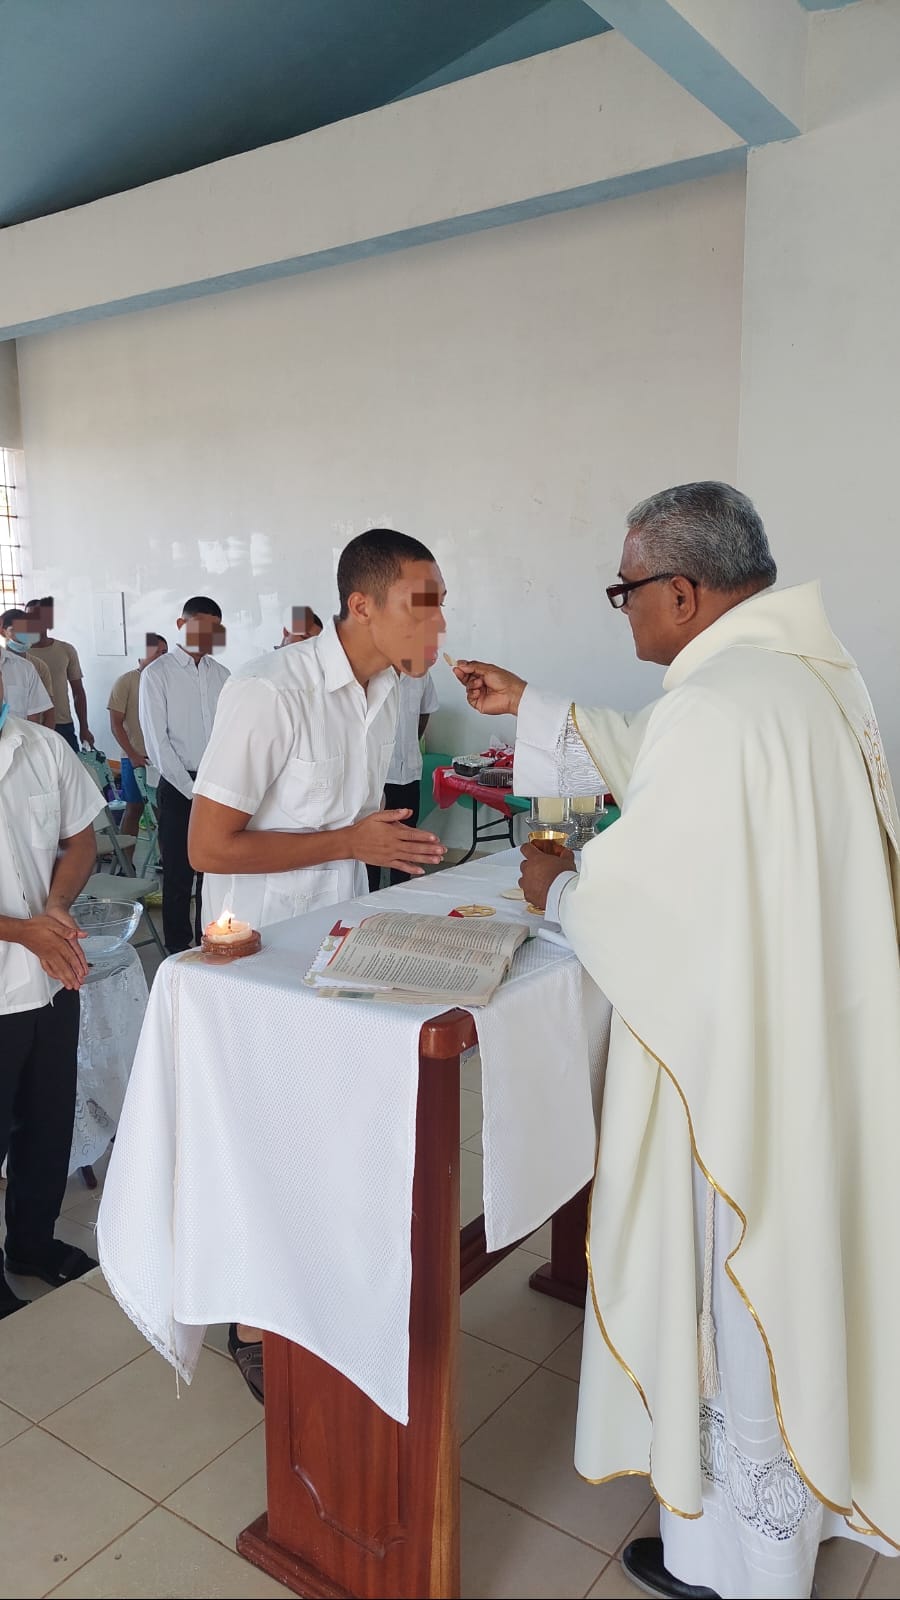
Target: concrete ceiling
(101, 96)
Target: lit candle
(551, 809)
(584, 804)
(227, 929)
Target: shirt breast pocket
(314, 792)
(43, 810)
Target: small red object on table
(449, 787)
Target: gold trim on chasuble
(871, 1530)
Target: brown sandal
(248, 1358)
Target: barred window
(11, 552)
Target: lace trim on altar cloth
(769, 1496)
(576, 772)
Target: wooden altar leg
(357, 1504)
(564, 1276)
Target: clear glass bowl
(108, 924)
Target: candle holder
(585, 811)
(217, 950)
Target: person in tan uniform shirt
(65, 668)
(126, 729)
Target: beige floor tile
(95, 1280)
(61, 1346)
(502, 1309)
(217, 1338)
(229, 1493)
(647, 1527)
(842, 1569)
(471, 1115)
(84, 1210)
(524, 1455)
(135, 1425)
(539, 1243)
(56, 1511)
(506, 1553)
(471, 1186)
(883, 1582)
(487, 1377)
(165, 1559)
(11, 1424)
(613, 1585)
(470, 1072)
(566, 1360)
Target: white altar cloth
(264, 1162)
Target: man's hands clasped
(54, 938)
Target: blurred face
(152, 652)
(303, 625)
(202, 634)
(21, 634)
(660, 615)
(40, 620)
(407, 629)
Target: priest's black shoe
(643, 1561)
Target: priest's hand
(384, 840)
(539, 870)
(490, 690)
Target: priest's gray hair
(705, 531)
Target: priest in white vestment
(742, 918)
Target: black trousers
(177, 873)
(38, 1068)
(397, 797)
(66, 730)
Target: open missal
(418, 960)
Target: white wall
(505, 397)
(820, 405)
(10, 423)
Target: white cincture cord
(710, 1382)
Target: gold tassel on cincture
(710, 1383)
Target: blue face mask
(21, 644)
(4, 712)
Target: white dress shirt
(177, 708)
(418, 698)
(22, 687)
(45, 795)
(304, 748)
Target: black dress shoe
(643, 1561)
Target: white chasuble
(741, 919)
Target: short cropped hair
(15, 614)
(35, 605)
(706, 531)
(200, 605)
(372, 561)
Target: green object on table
(610, 815)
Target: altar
(294, 1163)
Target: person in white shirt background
(402, 790)
(47, 806)
(287, 808)
(26, 693)
(177, 703)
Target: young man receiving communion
(286, 803)
(742, 917)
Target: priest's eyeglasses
(617, 593)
